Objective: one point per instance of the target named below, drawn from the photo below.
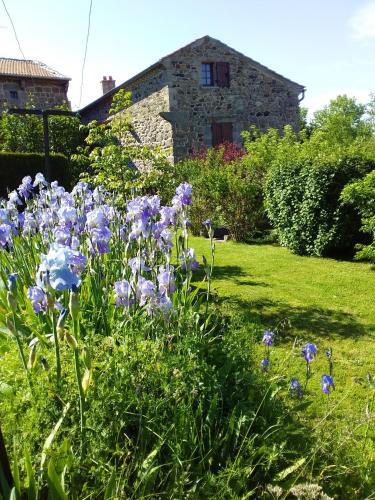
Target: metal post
(47, 163)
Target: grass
(326, 301)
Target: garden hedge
(15, 166)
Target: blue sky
(328, 46)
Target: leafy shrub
(361, 195)
(228, 189)
(303, 194)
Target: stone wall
(255, 96)
(43, 92)
(149, 126)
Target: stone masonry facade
(202, 94)
(43, 93)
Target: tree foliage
(24, 133)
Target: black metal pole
(47, 163)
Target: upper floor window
(215, 74)
(207, 77)
(13, 94)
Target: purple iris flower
(166, 280)
(268, 338)
(39, 180)
(80, 187)
(4, 216)
(62, 235)
(57, 268)
(26, 187)
(67, 214)
(309, 352)
(122, 290)
(13, 199)
(97, 218)
(5, 235)
(167, 215)
(137, 264)
(327, 384)
(296, 388)
(265, 363)
(99, 240)
(12, 282)
(183, 195)
(146, 290)
(207, 222)
(38, 299)
(188, 259)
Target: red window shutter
(216, 134)
(222, 74)
(226, 132)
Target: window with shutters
(222, 132)
(215, 74)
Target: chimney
(108, 85)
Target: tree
(342, 121)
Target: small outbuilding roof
(27, 68)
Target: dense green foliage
(15, 166)
(308, 173)
(361, 195)
(24, 133)
(303, 191)
(228, 187)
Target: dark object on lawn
(220, 232)
(6, 479)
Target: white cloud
(363, 23)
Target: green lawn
(329, 302)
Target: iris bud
(71, 340)
(86, 380)
(74, 303)
(32, 357)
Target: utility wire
(84, 57)
(14, 29)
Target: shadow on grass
(292, 321)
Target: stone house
(22, 81)
(203, 94)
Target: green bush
(303, 194)
(15, 166)
(361, 195)
(228, 192)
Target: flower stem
(81, 393)
(81, 397)
(57, 351)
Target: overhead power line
(85, 55)
(14, 29)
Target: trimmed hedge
(15, 166)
